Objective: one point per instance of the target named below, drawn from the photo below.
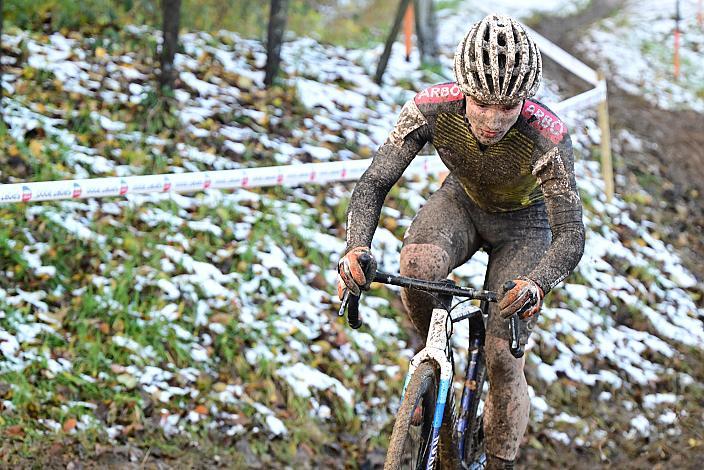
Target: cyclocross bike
(415, 439)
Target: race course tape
(289, 175)
(584, 100)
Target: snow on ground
(644, 32)
(364, 112)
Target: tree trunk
(2, 68)
(426, 31)
(275, 35)
(384, 60)
(171, 11)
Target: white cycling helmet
(497, 62)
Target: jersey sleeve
(407, 138)
(554, 171)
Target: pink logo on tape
(26, 194)
(167, 184)
(544, 121)
(123, 187)
(439, 93)
(76, 191)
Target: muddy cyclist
(511, 191)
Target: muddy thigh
(441, 237)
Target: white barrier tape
(290, 175)
(557, 54)
(582, 101)
(563, 58)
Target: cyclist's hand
(521, 296)
(352, 275)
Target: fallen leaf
(70, 424)
(14, 431)
(129, 381)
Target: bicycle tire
(422, 388)
(474, 435)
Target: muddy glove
(522, 296)
(352, 275)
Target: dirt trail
(670, 167)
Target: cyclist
(511, 190)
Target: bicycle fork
(435, 350)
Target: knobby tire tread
(423, 377)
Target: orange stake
(408, 30)
(700, 16)
(677, 54)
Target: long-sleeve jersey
(532, 163)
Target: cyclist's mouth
(489, 133)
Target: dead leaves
(16, 431)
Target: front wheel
(409, 446)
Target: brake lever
(350, 303)
(344, 302)
(515, 344)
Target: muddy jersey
(532, 164)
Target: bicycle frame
(438, 349)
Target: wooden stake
(677, 41)
(677, 54)
(607, 171)
(384, 60)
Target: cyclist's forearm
(371, 190)
(363, 212)
(555, 173)
(562, 256)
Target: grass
(107, 288)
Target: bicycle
(415, 437)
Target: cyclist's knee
(424, 261)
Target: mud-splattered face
(491, 122)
